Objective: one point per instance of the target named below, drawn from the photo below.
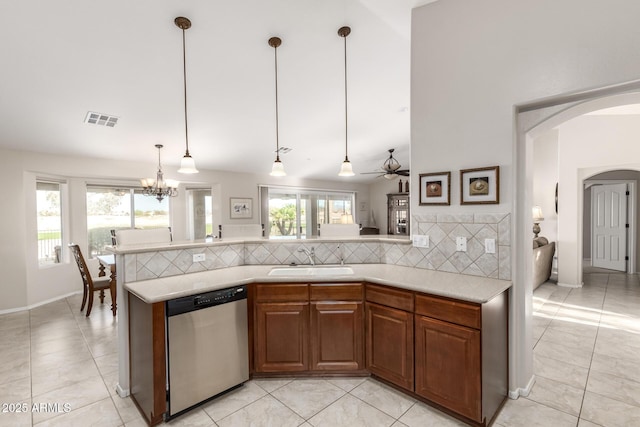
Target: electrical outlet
(420, 241)
(490, 246)
(198, 257)
(461, 244)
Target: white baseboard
(121, 392)
(514, 394)
(38, 304)
(569, 285)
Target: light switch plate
(461, 244)
(490, 246)
(420, 241)
(198, 257)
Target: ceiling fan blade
(403, 172)
(369, 173)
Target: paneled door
(609, 226)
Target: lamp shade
(536, 212)
(187, 165)
(277, 169)
(346, 169)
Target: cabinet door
(389, 340)
(281, 336)
(337, 336)
(448, 365)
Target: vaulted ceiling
(63, 59)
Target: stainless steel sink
(324, 270)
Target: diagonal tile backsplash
(442, 230)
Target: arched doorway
(532, 120)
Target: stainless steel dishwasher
(207, 343)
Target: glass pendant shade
(346, 169)
(277, 169)
(390, 175)
(187, 165)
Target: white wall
(472, 63)
(545, 177)
(25, 284)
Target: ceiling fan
(390, 168)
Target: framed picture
(435, 188)
(480, 186)
(241, 208)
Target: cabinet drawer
(336, 292)
(282, 292)
(395, 298)
(459, 312)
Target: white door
(609, 226)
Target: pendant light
(187, 165)
(346, 169)
(278, 168)
(159, 187)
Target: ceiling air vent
(101, 119)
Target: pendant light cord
(275, 55)
(344, 32)
(184, 74)
(346, 118)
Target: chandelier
(159, 187)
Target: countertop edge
(473, 289)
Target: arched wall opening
(532, 120)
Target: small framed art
(241, 208)
(435, 188)
(480, 186)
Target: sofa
(543, 252)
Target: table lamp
(536, 212)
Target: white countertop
(459, 286)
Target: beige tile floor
(62, 368)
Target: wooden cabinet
(448, 365)
(147, 358)
(337, 342)
(281, 328)
(301, 327)
(389, 334)
(461, 354)
(447, 352)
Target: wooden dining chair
(90, 284)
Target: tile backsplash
(441, 255)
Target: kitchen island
(464, 312)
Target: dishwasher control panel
(208, 299)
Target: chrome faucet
(310, 253)
(341, 252)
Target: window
(49, 222)
(297, 212)
(110, 208)
(200, 212)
